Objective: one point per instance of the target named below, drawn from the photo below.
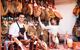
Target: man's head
(53, 21)
(21, 17)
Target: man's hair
(19, 14)
(52, 19)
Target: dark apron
(21, 30)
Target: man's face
(21, 18)
(53, 22)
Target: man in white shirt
(52, 29)
(18, 31)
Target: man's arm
(41, 24)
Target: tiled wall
(68, 21)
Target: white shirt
(53, 29)
(14, 30)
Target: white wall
(68, 21)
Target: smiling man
(17, 30)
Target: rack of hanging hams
(32, 8)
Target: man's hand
(21, 35)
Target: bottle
(69, 42)
(65, 40)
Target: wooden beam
(59, 2)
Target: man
(52, 29)
(18, 31)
